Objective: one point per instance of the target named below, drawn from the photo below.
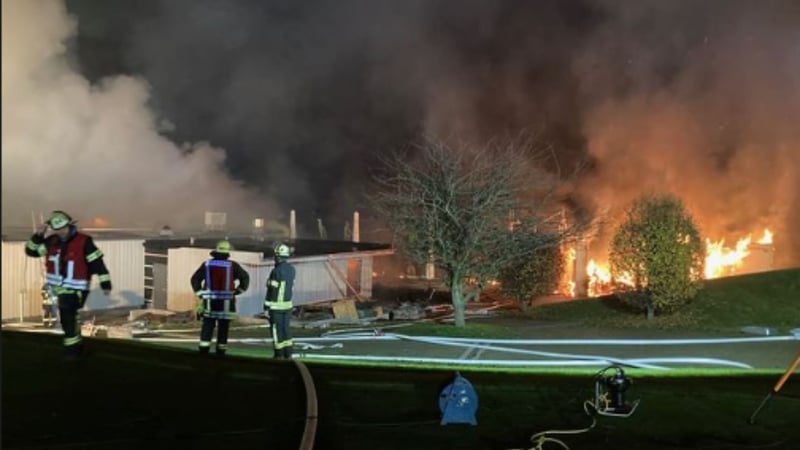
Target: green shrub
(534, 276)
(659, 250)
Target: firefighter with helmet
(72, 258)
(216, 283)
(278, 301)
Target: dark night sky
(696, 98)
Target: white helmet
(282, 250)
(59, 220)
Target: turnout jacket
(217, 282)
(70, 263)
(279, 286)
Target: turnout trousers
(207, 332)
(281, 334)
(68, 305)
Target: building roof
(302, 247)
(155, 243)
(17, 234)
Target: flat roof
(23, 234)
(156, 243)
(302, 247)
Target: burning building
(594, 278)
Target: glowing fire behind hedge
(721, 260)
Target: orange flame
(720, 261)
(99, 222)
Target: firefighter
(49, 307)
(278, 301)
(216, 283)
(72, 259)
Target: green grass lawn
(136, 395)
(722, 305)
(128, 395)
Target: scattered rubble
(408, 311)
(759, 330)
(345, 309)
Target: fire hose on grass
(562, 359)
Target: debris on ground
(408, 311)
(345, 309)
(150, 315)
(125, 331)
(759, 330)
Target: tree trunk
(457, 297)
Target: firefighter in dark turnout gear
(72, 259)
(216, 283)
(278, 302)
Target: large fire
(721, 260)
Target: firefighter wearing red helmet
(72, 258)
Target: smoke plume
(699, 99)
(95, 149)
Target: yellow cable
(541, 438)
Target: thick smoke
(700, 100)
(694, 98)
(95, 149)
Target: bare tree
(471, 210)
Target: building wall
(181, 265)
(21, 282)
(22, 278)
(317, 278)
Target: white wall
(22, 278)
(181, 265)
(315, 281)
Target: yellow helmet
(59, 220)
(223, 247)
(282, 250)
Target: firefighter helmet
(224, 247)
(59, 220)
(282, 250)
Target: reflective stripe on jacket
(67, 264)
(280, 286)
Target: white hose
(510, 363)
(682, 360)
(605, 359)
(480, 362)
(624, 341)
(581, 360)
(371, 336)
